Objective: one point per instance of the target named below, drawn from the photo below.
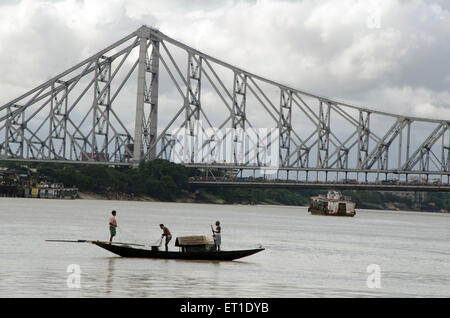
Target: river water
(305, 256)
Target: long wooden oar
(87, 241)
(69, 241)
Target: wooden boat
(333, 204)
(191, 248)
(128, 251)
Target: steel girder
(285, 126)
(78, 116)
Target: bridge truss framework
(77, 117)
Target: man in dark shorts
(112, 225)
(167, 234)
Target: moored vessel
(333, 204)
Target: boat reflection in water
(333, 204)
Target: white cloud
(324, 47)
(418, 102)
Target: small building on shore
(50, 191)
(23, 182)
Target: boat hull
(329, 213)
(127, 251)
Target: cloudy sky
(391, 55)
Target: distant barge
(332, 204)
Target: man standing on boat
(167, 234)
(112, 225)
(217, 236)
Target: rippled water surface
(305, 256)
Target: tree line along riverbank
(162, 180)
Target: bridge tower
(146, 124)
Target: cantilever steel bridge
(123, 104)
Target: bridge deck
(311, 185)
